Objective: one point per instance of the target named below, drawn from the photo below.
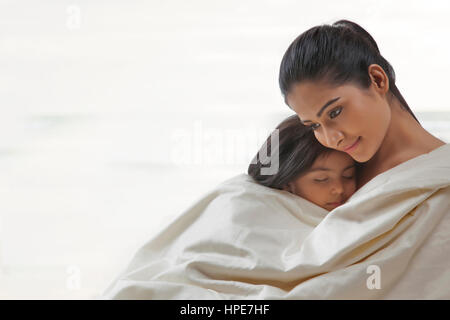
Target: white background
(116, 116)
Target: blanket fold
(390, 240)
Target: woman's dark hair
(297, 150)
(336, 54)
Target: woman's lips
(353, 146)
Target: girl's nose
(337, 188)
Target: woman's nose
(332, 137)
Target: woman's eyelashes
(332, 114)
(335, 112)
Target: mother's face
(343, 116)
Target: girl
(323, 176)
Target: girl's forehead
(334, 160)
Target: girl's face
(330, 181)
(347, 115)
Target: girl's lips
(335, 203)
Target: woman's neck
(404, 140)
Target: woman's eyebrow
(326, 105)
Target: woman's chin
(361, 155)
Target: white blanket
(391, 240)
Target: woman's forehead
(308, 98)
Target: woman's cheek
(320, 139)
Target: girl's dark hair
(336, 54)
(297, 150)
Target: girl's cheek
(352, 186)
(322, 190)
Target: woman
(342, 88)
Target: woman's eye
(321, 180)
(335, 112)
(312, 127)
